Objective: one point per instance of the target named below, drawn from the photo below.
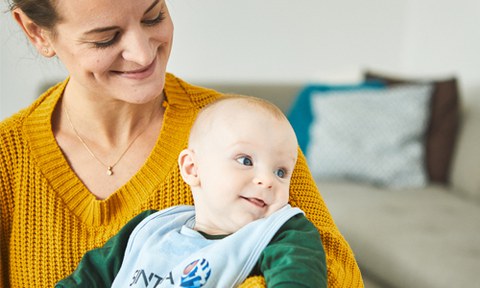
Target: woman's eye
(156, 20)
(245, 160)
(281, 173)
(106, 43)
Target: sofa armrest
(464, 176)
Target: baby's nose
(264, 180)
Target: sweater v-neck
(66, 184)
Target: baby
(239, 161)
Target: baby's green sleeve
(295, 257)
(99, 266)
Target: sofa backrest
(280, 94)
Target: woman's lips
(139, 74)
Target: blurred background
(285, 41)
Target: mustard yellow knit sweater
(48, 218)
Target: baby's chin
(274, 208)
(219, 227)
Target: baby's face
(244, 166)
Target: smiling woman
(100, 147)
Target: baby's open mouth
(256, 201)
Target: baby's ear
(188, 167)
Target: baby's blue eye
(280, 173)
(245, 160)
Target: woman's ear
(188, 167)
(37, 35)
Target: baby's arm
(99, 266)
(295, 257)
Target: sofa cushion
(443, 122)
(376, 136)
(410, 238)
(300, 114)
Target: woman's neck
(109, 121)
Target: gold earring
(45, 50)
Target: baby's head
(240, 158)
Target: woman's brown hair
(42, 12)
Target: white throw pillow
(375, 136)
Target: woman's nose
(138, 48)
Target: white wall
(443, 37)
(283, 40)
(22, 69)
(286, 41)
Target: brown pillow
(443, 125)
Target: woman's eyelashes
(159, 18)
(148, 22)
(108, 42)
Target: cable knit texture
(49, 219)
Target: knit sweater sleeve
(6, 201)
(342, 268)
(2, 232)
(2, 282)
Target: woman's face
(114, 48)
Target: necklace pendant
(109, 171)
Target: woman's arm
(342, 268)
(3, 262)
(2, 284)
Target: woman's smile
(139, 74)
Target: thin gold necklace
(109, 167)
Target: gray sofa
(421, 237)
